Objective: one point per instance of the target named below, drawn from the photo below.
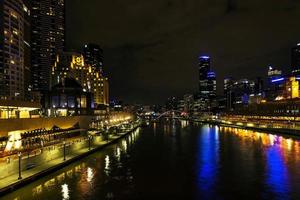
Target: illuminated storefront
(18, 109)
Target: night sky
(151, 47)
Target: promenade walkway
(12, 182)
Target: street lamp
(64, 150)
(20, 158)
(90, 137)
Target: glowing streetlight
(20, 158)
(89, 137)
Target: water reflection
(90, 174)
(65, 192)
(284, 144)
(207, 161)
(277, 173)
(124, 145)
(107, 162)
(184, 123)
(280, 152)
(118, 153)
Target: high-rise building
(204, 68)
(228, 92)
(295, 60)
(275, 83)
(27, 49)
(274, 73)
(242, 90)
(14, 48)
(48, 39)
(172, 103)
(73, 65)
(207, 84)
(212, 85)
(93, 55)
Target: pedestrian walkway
(9, 183)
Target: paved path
(9, 183)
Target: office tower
(27, 49)
(206, 97)
(228, 92)
(93, 55)
(295, 60)
(275, 83)
(204, 68)
(13, 48)
(172, 103)
(242, 90)
(48, 39)
(259, 86)
(211, 85)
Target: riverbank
(11, 183)
(279, 131)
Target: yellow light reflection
(65, 191)
(90, 174)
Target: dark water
(177, 160)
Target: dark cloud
(151, 47)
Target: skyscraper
(204, 68)
(27, 49)
(207, 84)
(48, 39)
(13, 48)
(275, 84)
(93, 55)
(228, 92)
(295, 60)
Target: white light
(118, 153)
(65, 191)
(90, 174)
(107, 162)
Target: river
(179, 160)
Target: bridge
(174, 113)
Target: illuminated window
(83, 102)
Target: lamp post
(89, 142)
(64, 150)
(20, 158)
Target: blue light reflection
(277, 173)
(207, 161)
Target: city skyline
(137, 49)
(172, 99)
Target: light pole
(20, 158)
(64, 150)
(89, 142)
